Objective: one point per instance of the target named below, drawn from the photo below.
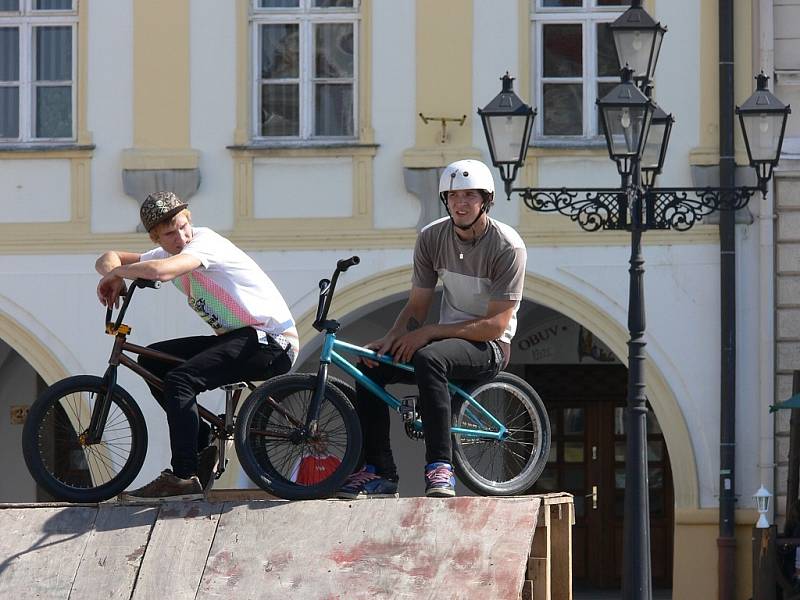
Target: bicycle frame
(330, 355)
(222, 423)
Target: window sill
(305, 149)
(567, 147)
(47, 150)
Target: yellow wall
(161, 74)
(444, 32)
(696, 556)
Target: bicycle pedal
(408, 409)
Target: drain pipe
(726, 542)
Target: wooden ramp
(397, 548)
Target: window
(37, 70)
(576, 63)
(305, 69)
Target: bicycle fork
(102, 405)
(312, 418)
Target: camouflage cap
(158, 207)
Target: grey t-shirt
(493, 268)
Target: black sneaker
(365, 484)
(165, 487)
(207, 463)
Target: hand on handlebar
(380, 346)
(109, 289)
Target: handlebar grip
(346, 263)
(147, 283)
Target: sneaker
(207, 463)
(166, 486)
(439, 480)
(365, 484)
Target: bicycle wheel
(512, 465)
(57, 455)
(280, 456)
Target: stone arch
(28, 346)
(566, 301)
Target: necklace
(472, 243)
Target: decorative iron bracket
(611, 208)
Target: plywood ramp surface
(393, 548)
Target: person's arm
(130, 267)
(484, 329)
(410, 318)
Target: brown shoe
(165, 487)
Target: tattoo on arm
(412, 324)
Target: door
(586, 405)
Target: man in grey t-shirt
(481, 264)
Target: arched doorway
(20, 384)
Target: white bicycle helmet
(467, 174)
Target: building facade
(310, 130)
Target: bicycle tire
(272, 461)
(502, 467)
(67, 468)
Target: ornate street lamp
(637, 134)
(638, 40)
(763, 118)
(625, 113)
(507, 124)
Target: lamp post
(637, 134)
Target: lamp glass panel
(624, 129)
(507, 134)
(633, 48)
(603, 89)
(652, 146)
(763, 133)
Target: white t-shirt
(229, 290)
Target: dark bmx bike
(85, 438)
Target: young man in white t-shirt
(255, 336)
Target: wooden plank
(406, 548)
(539, 565)
(41, 550)
(561, 551)
(114, 552)
(176, 554)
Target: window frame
(305, 16)
(588, 16)
(26, 20)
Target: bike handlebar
(326, 289)
(346, 263)
(128, 294)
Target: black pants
(435, 364)
(212, 361)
